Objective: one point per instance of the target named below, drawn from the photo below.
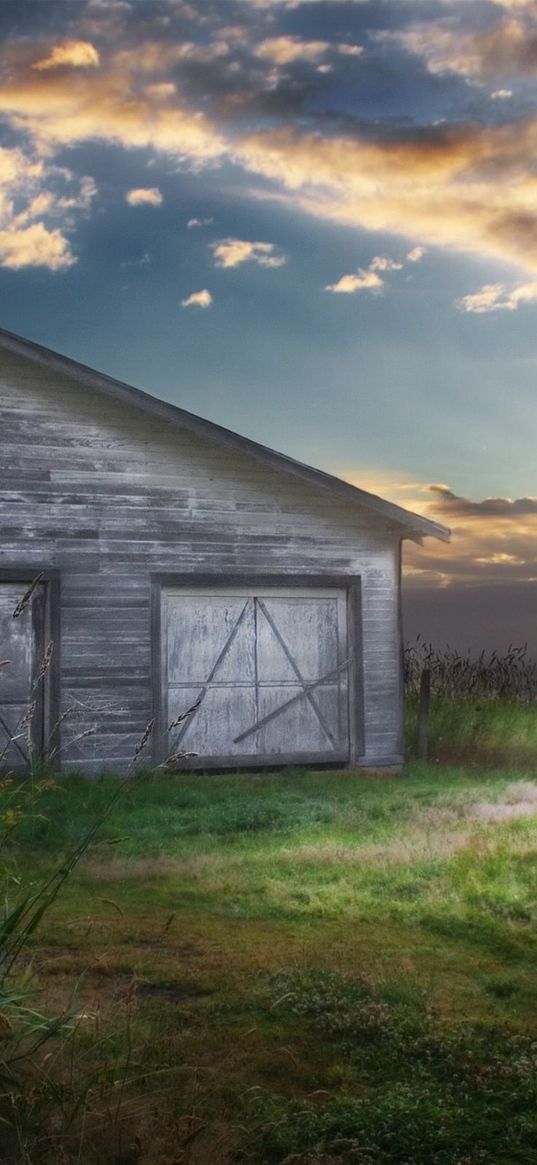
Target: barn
(175, 563)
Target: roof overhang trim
(408, 524)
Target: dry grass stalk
(45, 663)
(144, 738)
(512, 676)
(183, 715)
(27, 596)
(175, 758)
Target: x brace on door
(307, 689)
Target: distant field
(301, 968)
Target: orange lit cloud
(78, 54)
(234, 252)
(144, 196)
(495, 297)
(57, 109)
(362, 281)
(34, 196)
(492, 540)
(198, 299)
(35, 246)
(368, 280)
(471, 188)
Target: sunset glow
(349, 186)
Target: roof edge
(414, 525)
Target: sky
(313, 222)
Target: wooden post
(423, 714)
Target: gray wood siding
(110, 498)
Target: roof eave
(410, 525)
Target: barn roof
(411, 525)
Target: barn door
(269, 670)
(22, 645)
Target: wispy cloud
(198, 299)
(145, 260)
(382, 263)
(144, 196)
(496, 297)
(233, 252)
(198, 222)
(507, 48)
(416, 254)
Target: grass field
(305, 968)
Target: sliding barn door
(268, 670)
(21, 701)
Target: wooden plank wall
(108, 497)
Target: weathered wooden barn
(182, 564)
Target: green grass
(299, 967)
(477, 731)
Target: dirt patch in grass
(172, 992)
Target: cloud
(382, 263)
(144, 196)
(81, 200)
(78, 54)
(528, 5)
(34, 195)
(501, 94)
(495, 297)
(416, 254)
(35, 246)
(493, 540)
(233, 252)
(363, 281)
(283, 50)
(198, 222)
(109, 107)
(470, 188)
(198, 299)
(508, 48)
(145, 260)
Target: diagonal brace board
(307, 688)
(214, 669)
(307, 692)
(11, 740)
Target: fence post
(423, 714)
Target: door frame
(46, 736)
(351, 584)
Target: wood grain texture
(110, 498)
(267, 670)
